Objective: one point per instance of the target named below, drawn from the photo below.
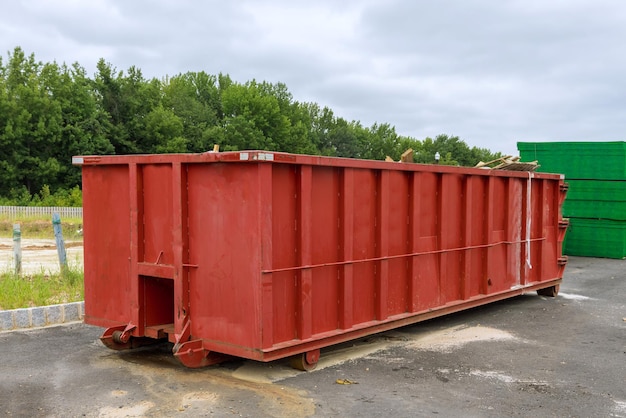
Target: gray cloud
(490, 72)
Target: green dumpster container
(596, 199)
(595, 238)
(578, 160)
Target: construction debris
(508, 163)
(406, 157)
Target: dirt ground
(39, 255)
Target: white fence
(14, 212)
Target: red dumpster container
(265, 255)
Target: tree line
(50, 112)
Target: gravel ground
(39, 255)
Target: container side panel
(157, 211)
(451, 227)
(305, 245)
(325, 248)
(398, 232)
(364, 244)
(429, 193)
(106, 241)
(506, 260)
(551, 203)
(285, 252)
(499, 203)
(537, 230)
(473, 236)
(549, 256)
(345, 307)
(496, 265)
(428, 189)
(224, 244)
(515, 217)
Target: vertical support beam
(382, 232)
(179, 247)
(542, 207)
(17, 248)
(489, 208)
(442, 243)
(266, 305)
(524, 231)
(468, 226)
(60, 242)
(512, 231)
(531, 226)
(414, 233)
(136, 246)
(305, 282)
(346, 216)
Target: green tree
(108, 89)
(82, 130)
(166, 130)
(383, 142)
(452, 151)
(252, 119)
(32, 123)
(195, 99)
(8, 169)
(50, 112)
(320, 122)
(127, 100)
(335, 136)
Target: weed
(40, 227)
(41, 289)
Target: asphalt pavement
(530, 356)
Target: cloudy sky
(490, 72)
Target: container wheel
(550, 292)
(119, 338)
(305, 361)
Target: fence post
(17, 248)
(58, 236)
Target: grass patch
(40, 227)
(41, 289)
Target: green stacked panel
(596, 199)
(595, 238)
(578, 160)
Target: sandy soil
(39, 255)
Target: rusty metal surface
(266, 255)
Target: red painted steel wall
(265, 255)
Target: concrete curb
(41, 316)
